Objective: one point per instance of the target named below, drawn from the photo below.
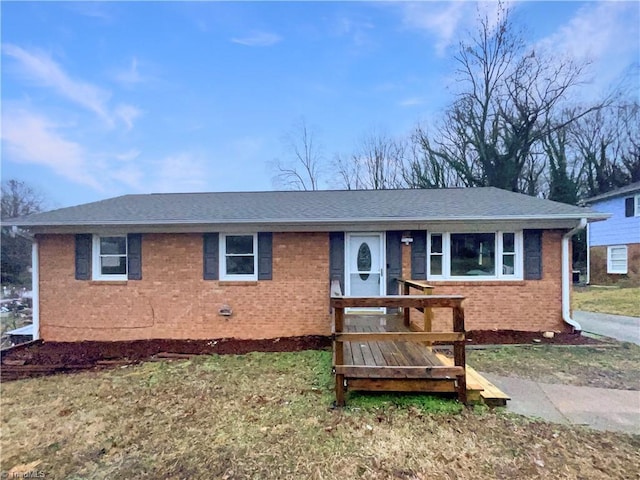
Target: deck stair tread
(490, 394)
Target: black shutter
(134, 256)
(394, 261)
(83, 256)
(336, 258)
(628, 207)
(265, 255)
(210, 256)
(533, 254)
(419, 255)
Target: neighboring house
(614, 245)
(260, 264)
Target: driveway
(626, 329)
(599, 408)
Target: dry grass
(267, 416)
(615, 367)
(614, 300)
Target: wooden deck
(374, 352)
(392, 365)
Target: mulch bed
(509, 337)
(45, 358)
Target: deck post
(428, 315)
(338, 348)
(459, 354)
(406, 311)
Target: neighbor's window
(110, 257)
(475, 255)
(637, 209)
(239, 257)
(617, 259)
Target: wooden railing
(426, 289)
(455, 337)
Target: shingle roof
(309, 208)
(629, 189)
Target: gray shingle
(309, 207)
(629, 189)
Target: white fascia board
(469, 224)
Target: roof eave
(591, 216)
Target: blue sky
(103, 99)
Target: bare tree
(18, 199)
(376, 164)
(424, 167)
(304, 169)
(508, 101)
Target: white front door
(365, 265)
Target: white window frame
(610, 253)
(223, 258)
(96, 264)
(446, 258)
(636, 205)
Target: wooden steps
(479, 389)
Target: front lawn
(612, 367)
(267, 415)
(614, 300)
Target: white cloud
(446, 21)
(258, 39)
(411, 102)
(127, 113)
(131, 75)
(358, 30)
(440, 20)
(128, 156)
(182, 172)
(31, 138)
(607, 34)
(42, 70)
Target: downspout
(566, 276)
(35, 288)
(588, 282)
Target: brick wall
(598, 267)
(173, 301)
(530, 305)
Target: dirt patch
(43, 358)
(498, 337)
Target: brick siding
(173, 301)
(598, 267)
(529, 305)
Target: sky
(102, 99)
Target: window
(435, 255)
(637, 210)
(110, 257)
(508, 253)
(239, 258)
(475, 256)
(617, 259)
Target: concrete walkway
(626, 329)
(599, 408)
